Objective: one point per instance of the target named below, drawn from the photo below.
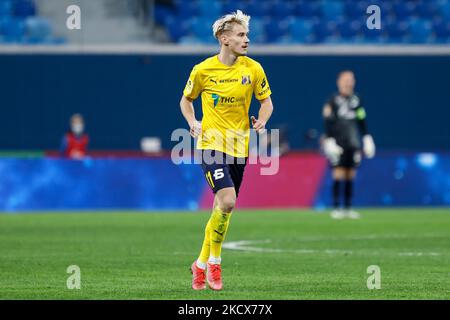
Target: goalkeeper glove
(368, 146)
(332, 150)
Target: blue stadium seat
(445, 9)
(420, 31)
(257, 8)
(355, 10)
(397, 30)
(202, 28)
(287, 40)
(24, 8)
(301, 31)
(332, 9)
(208, 8)
(350, 29)
(162, 12)
(38, 30)
(190, 40)
(334, 39)
(441, 30)
(308, 8)
(340, 20)
(5, 8)
(387, 6)
(19, 23)
(404, 9)
(325, 30)
(186, 9)
(282, 9)
(12, 29)
(276, 29)
(427, 9)
(176, 27)
(233, 5)
(374, 35)
(257, 30)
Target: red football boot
(198, 277)
(214, 276)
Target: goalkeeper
(345, 124)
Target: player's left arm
(262, 93)
(265, 111)
(368, 143)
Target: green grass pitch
(289, 254)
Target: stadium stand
(20, 23)
(311, 21)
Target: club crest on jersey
(246, 80)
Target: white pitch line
(248, 246)
(366, 237)
(418, 254)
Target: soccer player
(226, 83)
(345, 123)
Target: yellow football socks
(219, 227)
(204, 253)
(215, 232)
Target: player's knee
(339, 174)
(227, 204)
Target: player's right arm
(327, 114)
(331, 149)
(192, 90)
(187, 109)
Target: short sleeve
(262, 88)
(193, 86)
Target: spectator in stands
(75, 142)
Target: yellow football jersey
(226, 93)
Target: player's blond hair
(226, 22)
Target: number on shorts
(218, 174)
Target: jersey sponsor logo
(264, 91)
(228, 80)
(346, 107)
(263, 83)
(246, 80)
(345, 112)
(229, 101)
